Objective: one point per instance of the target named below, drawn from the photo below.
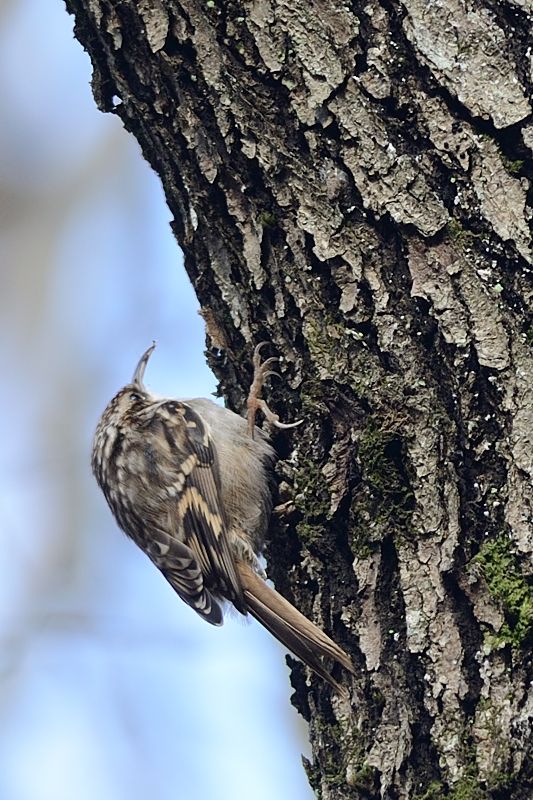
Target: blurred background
(110, 687)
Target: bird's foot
(255, 402)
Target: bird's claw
(255, 402)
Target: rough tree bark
(349, 181)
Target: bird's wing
(180, 567)
(199, 508)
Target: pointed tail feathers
(290, 627)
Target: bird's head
(130, 404)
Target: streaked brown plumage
(190, 485)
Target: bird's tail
(290, 627)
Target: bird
(191, 483)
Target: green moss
(333, 772)
(309, 534)
(387, 497)
(313, 776)
(433, 792)
(364, 777)
(312, 500)
(454, 228)
(459, 234)
(498, 781)
(329, 768)
(342, 354)
(341, 764)
(513, 167)
(509, 587)
(324, 338)
(312, 398)
(466, 788)
(267, 219)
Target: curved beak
(138, 375)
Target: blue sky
(110, 687)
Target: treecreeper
(191, 483)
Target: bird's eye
(135, 397)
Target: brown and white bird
(190, 483)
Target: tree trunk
(348, 182)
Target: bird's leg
(244, 551)
(285, 512)
(255, 402)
